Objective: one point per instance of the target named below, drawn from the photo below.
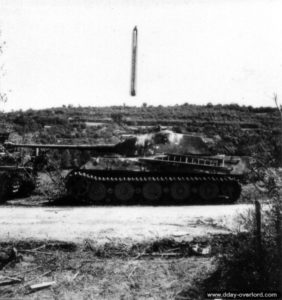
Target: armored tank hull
(168, 179)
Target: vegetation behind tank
(239, 130)
(223, 129)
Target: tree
(117, 117)
(66, 159)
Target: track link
(108, 187)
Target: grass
(109, 271)
(122, 270)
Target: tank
(16, 179)
(157, 168)
(189, 174)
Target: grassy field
(159, 270)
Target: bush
(252, 261)
(242, 267)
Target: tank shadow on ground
(69, 201)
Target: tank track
(111, 187)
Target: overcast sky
(195, 51)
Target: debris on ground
(9, 280)
(100, 271)
(199, 250)
(40, 286)
(7, 256)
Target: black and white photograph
(140, 149)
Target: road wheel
(180, 191)
(124, 191)
(232, 190)
(152, 191)
(208, 191)
(97, 192)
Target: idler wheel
(152, 191)
(97, 192)
(78, 187)
(124, 191)
(180, 190)
(70, 181)
(208, 191)
(232, 190)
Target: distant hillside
(244, 130)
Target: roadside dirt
(124, 253)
